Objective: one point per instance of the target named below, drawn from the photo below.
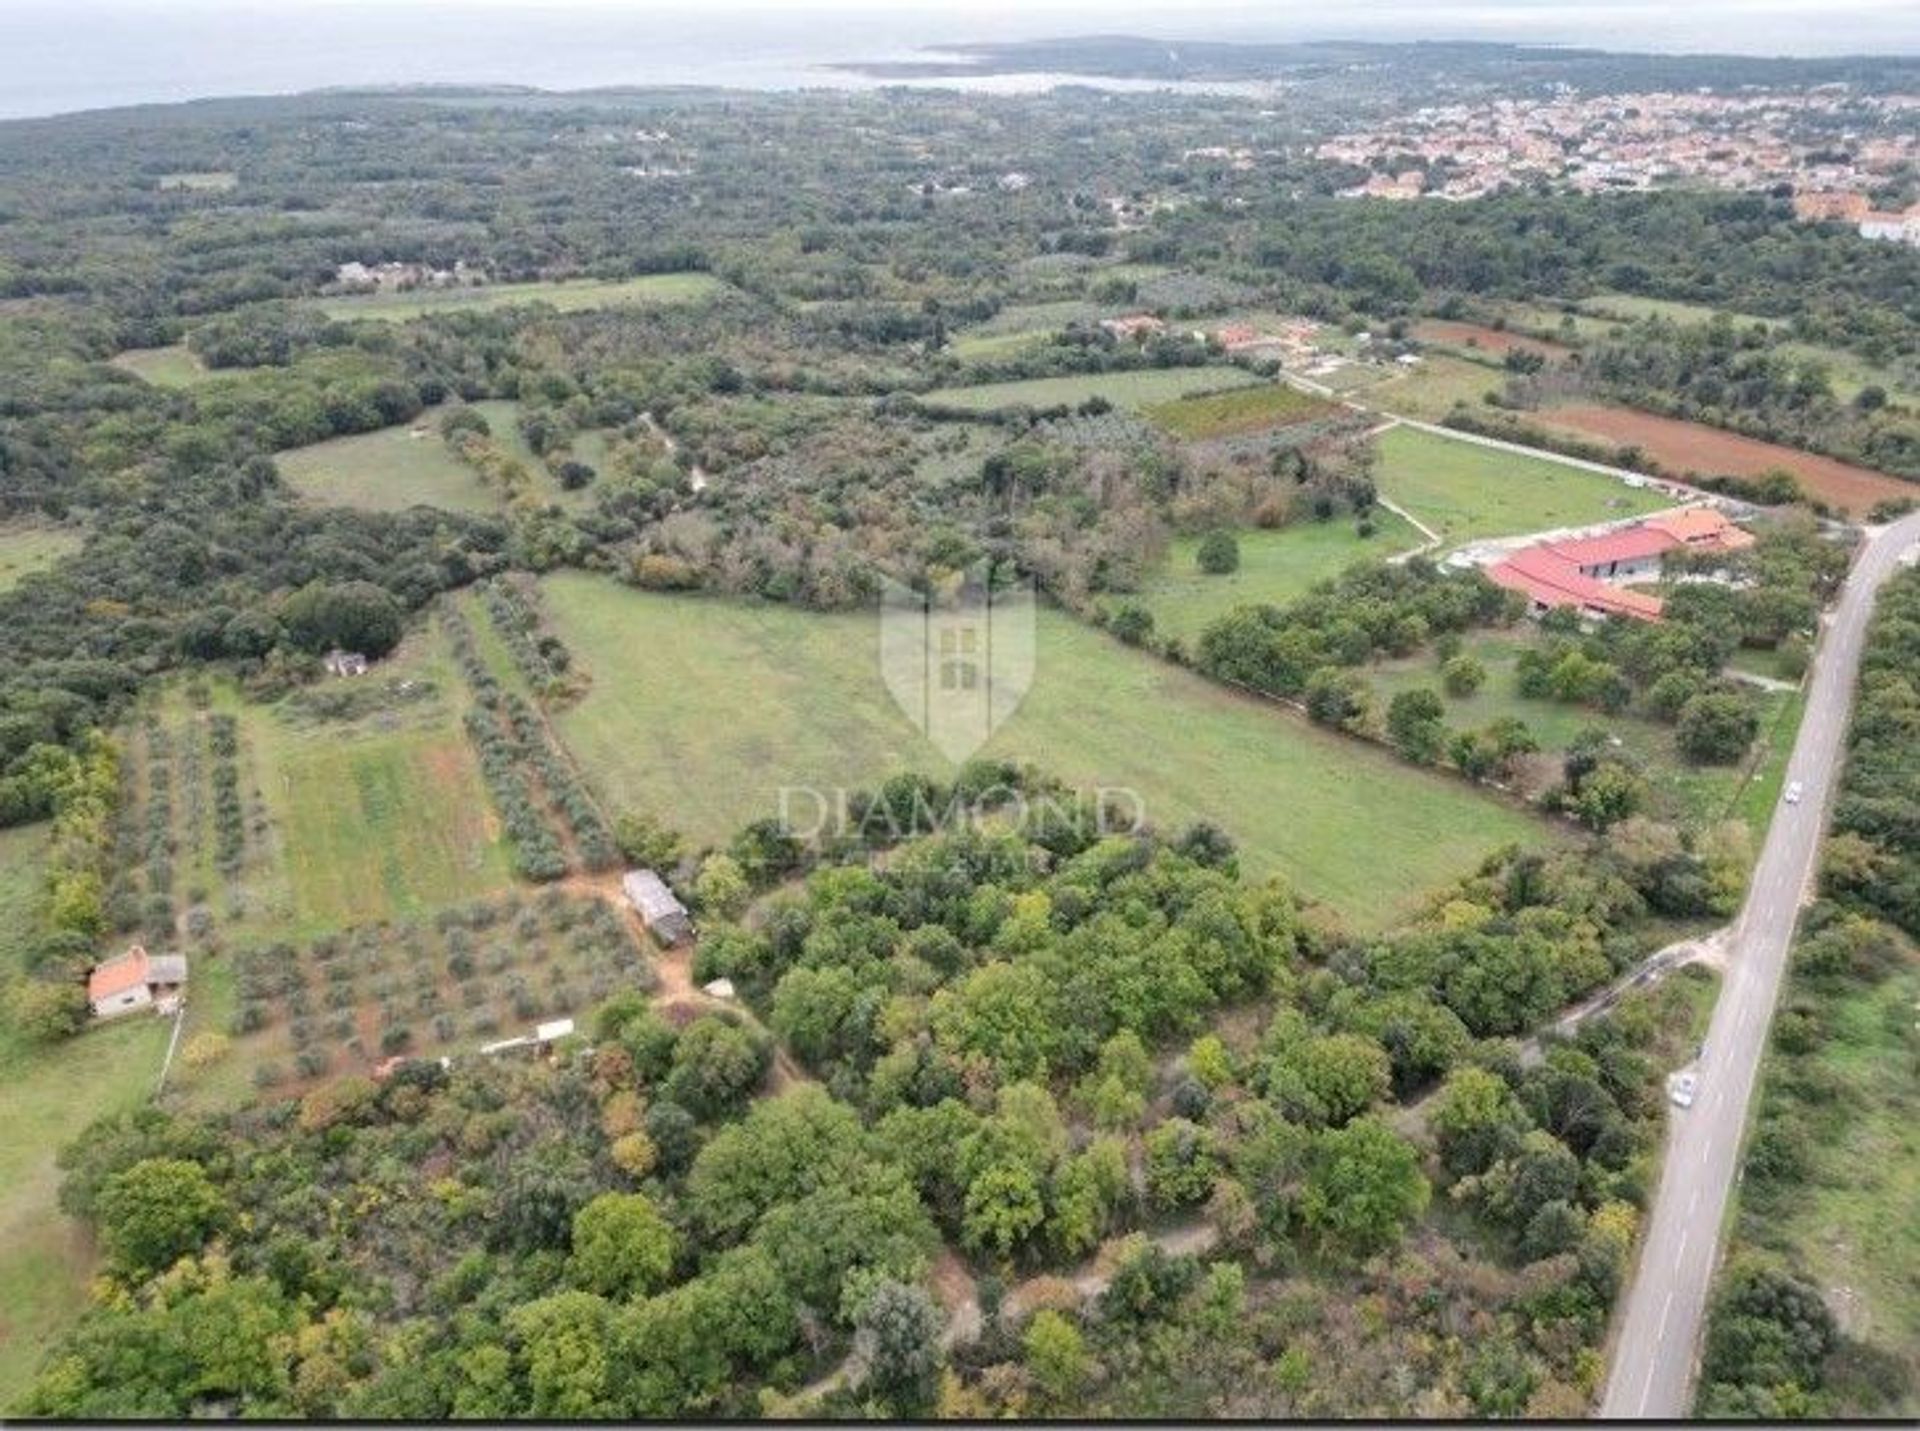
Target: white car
(1682, 1087)
(1793, 793)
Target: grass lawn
(1465, 491)
(1143, 388)
(1435, 387)
(1275, 566)
(1231, 414)
(702, 710)
(384, 816)
(30, 548)
(572, 295)
(1681, 790)
(174, 366)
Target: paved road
(1659, 1330)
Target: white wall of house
(124, 1002)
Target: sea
(93, 54)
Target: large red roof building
(1578, 571)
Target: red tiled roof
(1552, 580)
(1701, 527)
(116, 976)
(1626, 544)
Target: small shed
(663, 914)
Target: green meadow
(701, 710)
(1140, 388)
(568, 296)
(1275, 567)
(1464, 490)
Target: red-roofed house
(1575, 571)
(1550, 581)
(1701, 528)
(135, 980)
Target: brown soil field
(1495, 341)
(1692, 448)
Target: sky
(58, 55)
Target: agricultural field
(1434, 388)
(27, 548)
(1464, 490)
(1550, 318)
(1476, 337)
(1275, 566)
(174, 366)
(572, 295)
(1695, 449)
(1682, 791)
(1136, 390)
(1236, 413)
(471, 975)
(380, 810)
(1020, 326)
(700, 711)
(1634, 306)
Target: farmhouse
(136, 980)
(665, 917)
(1576, 572)
(1136, 326)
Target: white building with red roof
(1580, 571)
(136, 980)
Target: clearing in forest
(568, 296)
(1134, 389)
(29, 547)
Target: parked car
(1682, 1087)
(1793, 793)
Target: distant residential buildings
(1830, 142)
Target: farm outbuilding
(663, 914)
